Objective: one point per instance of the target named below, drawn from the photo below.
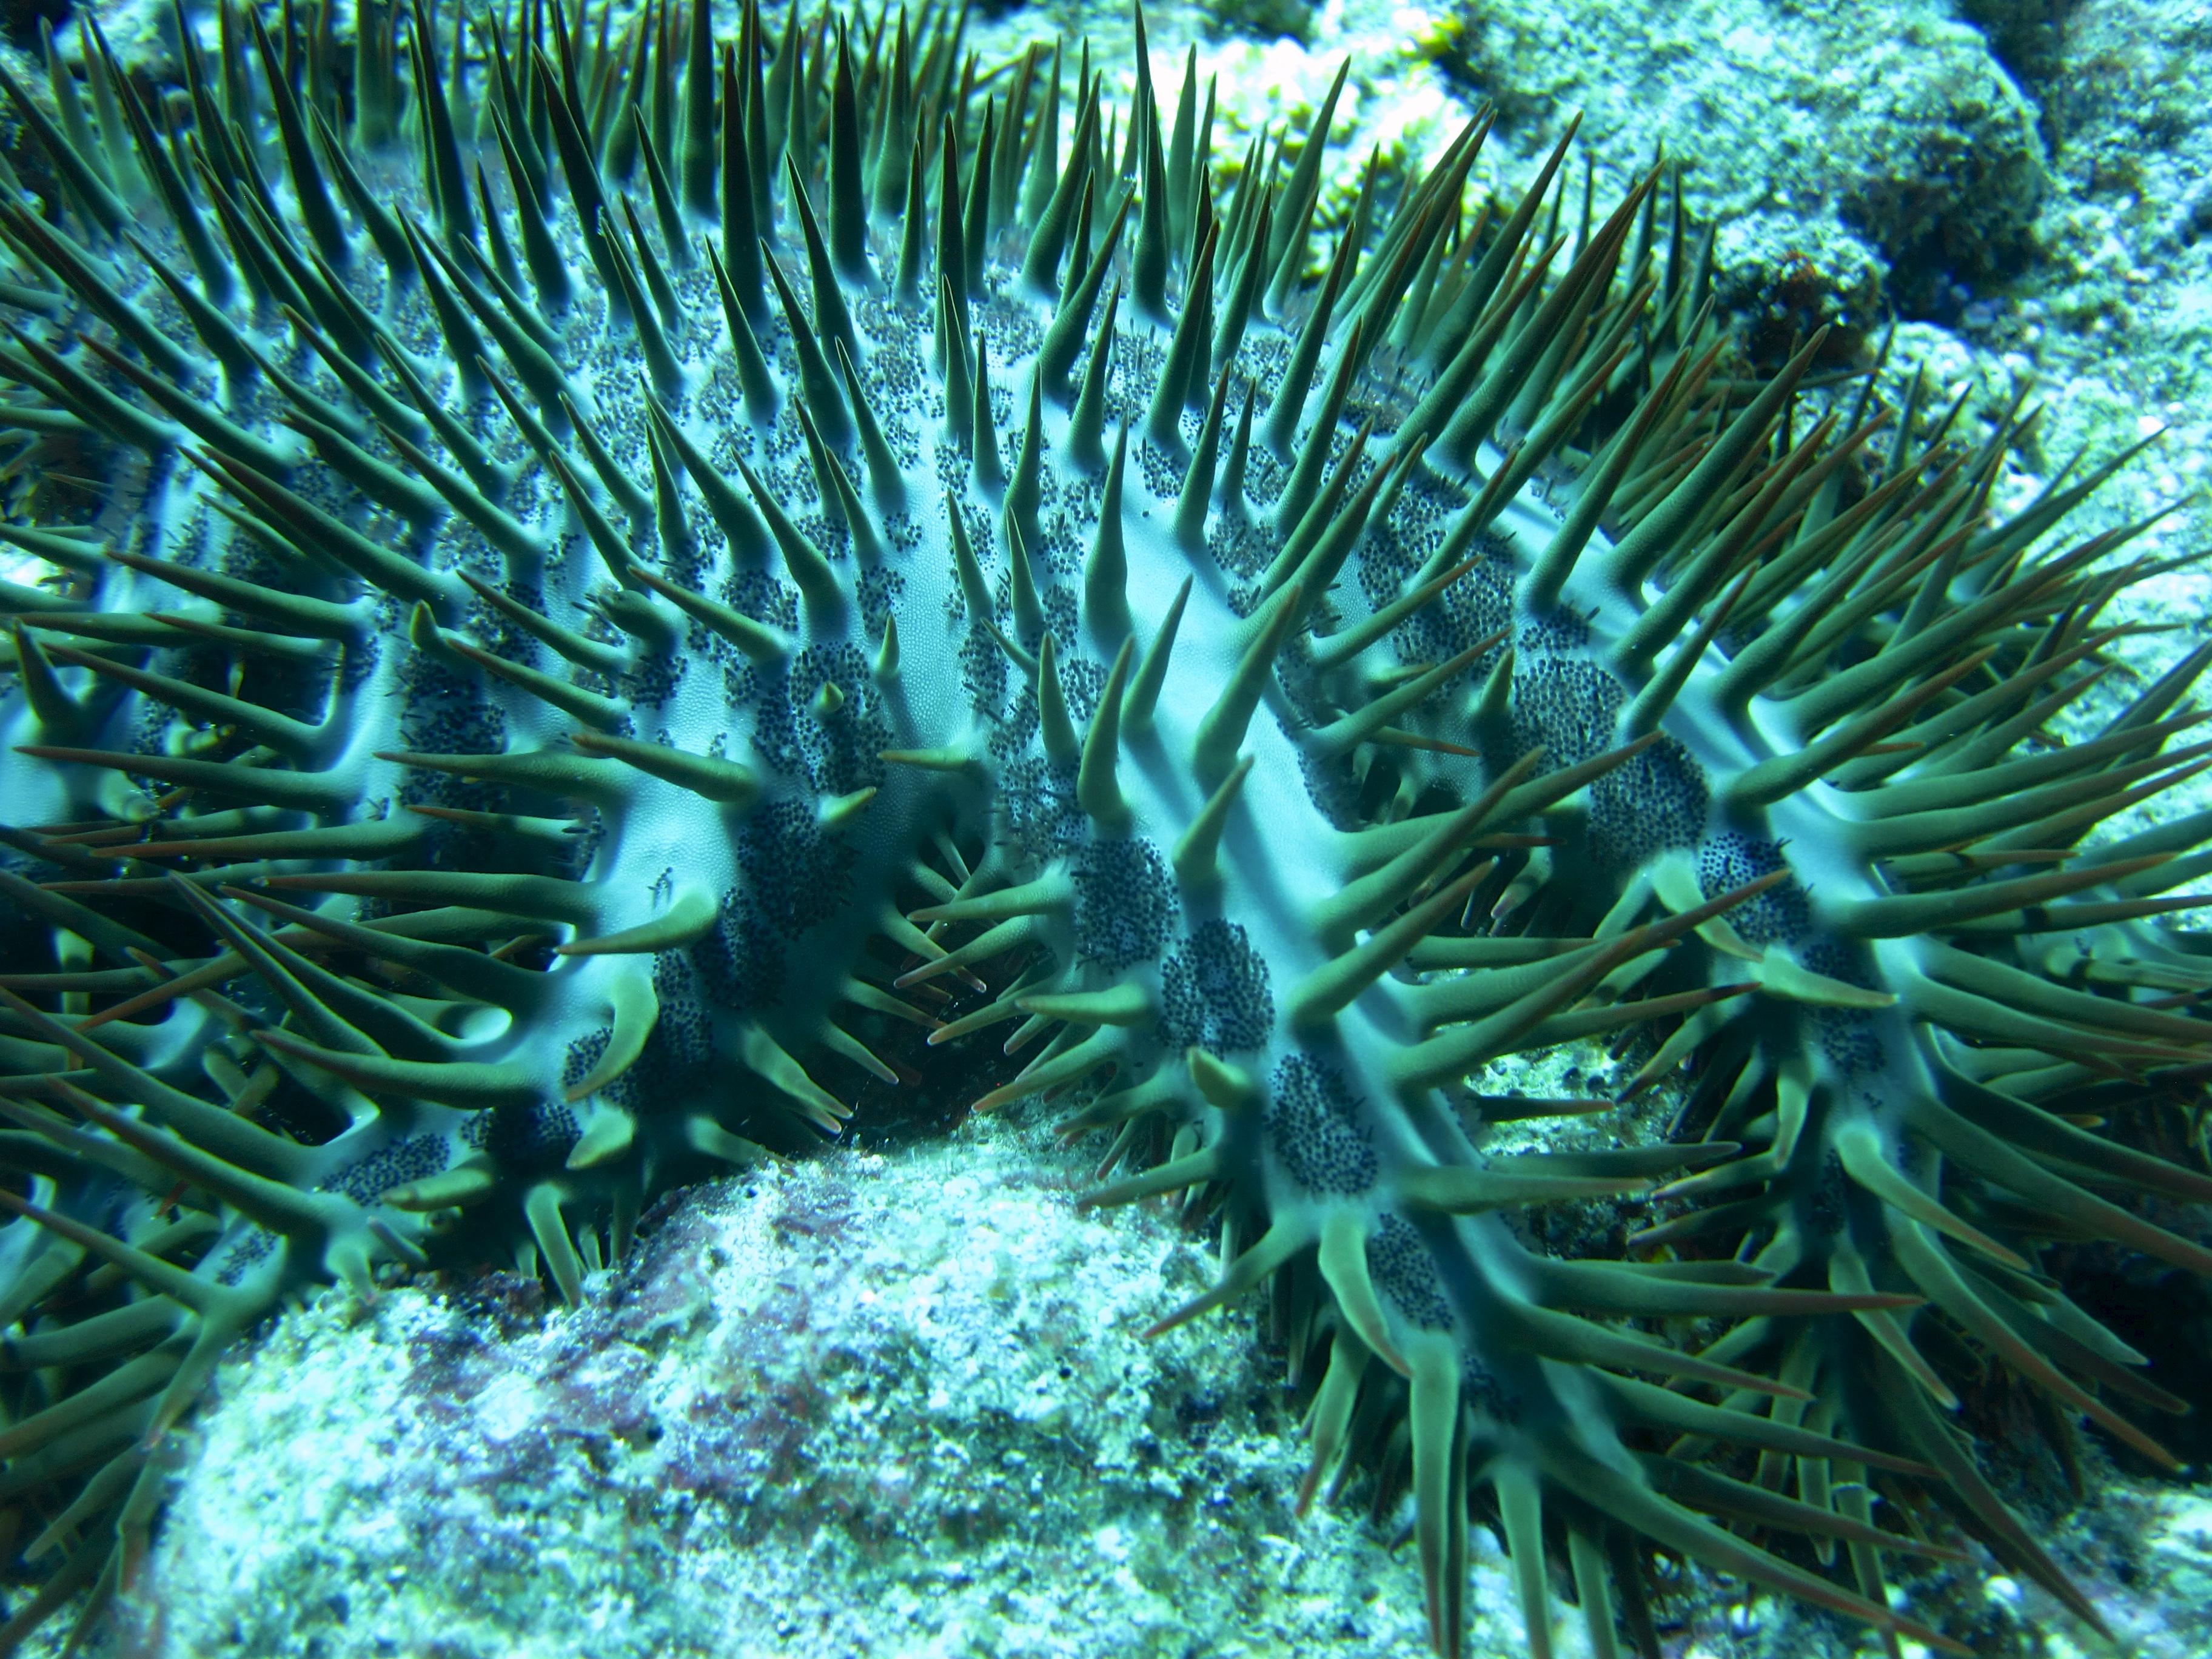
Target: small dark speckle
(1196, 1408)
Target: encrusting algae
(602, 591)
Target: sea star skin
(591, 701)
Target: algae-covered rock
(1266, 19)
(880, 1405)
(2027, 36)
(1883, 147)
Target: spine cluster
(601, 597)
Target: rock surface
(860, 1404)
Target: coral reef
(860, 1403)
(612, 598)
(1890, 151)
(900, 1401)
